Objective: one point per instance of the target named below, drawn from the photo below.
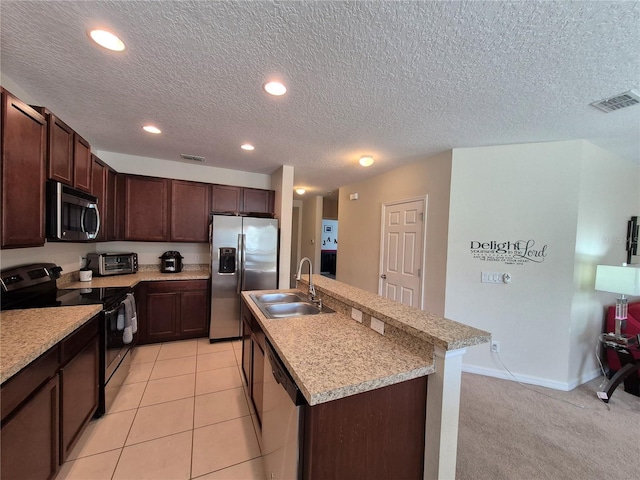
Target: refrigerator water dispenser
(227, 260)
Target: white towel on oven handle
(134, 312)
(120, 319)
(127, 336)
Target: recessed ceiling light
(151, 129)
(247, 146)
(366, 161)
(107, 40)
(275, 88)
(300, 191)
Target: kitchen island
(332, 357)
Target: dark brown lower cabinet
(374, 435)
(30, 437)
(47, 405)
(78, 395)
(173, 310)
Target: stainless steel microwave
(72, 215)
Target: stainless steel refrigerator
(244, 256)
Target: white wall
(530, 192)
(282, 183)
(310, 233)
(360, 223)
(609, 195)
(183, 171)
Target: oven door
(115, 346)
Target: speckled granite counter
(434, 329)
(27, 334)
(331, 356)
(142, 276)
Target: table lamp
(624, 280)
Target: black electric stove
(34, 286)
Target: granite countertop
(331, 356)
(27, 334)
(435, 329)
(132, 280)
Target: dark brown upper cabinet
(190, 205)
(81, 163)
(68, 155)
(23, 174)
(146, 201)
(257, 201)
(227, 198)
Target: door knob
(383, 276)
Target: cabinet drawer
(71, 345)
(19, 387)
(176, 286)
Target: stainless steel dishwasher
(282, 420)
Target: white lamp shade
(618, 279)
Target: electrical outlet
(495, 346)
(377, 325)
(356, 315)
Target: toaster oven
(103, 264)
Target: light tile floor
(183, 413)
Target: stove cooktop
(108, 296)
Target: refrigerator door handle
(239, 265)
(243, 243)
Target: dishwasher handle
(283, 377)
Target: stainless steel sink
(295, 309)
(287, 297)
(287, 304)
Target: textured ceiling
(398, 80)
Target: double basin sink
(287, 304)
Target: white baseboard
(530, 380)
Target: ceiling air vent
(193, 158)
(622, 100)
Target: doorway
(403, 251)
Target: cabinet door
(29, 439)
(162, 316)
(145, 204)
(81, 164)
(114, 205)
(194, 313)
(59, 151)
(246, 349)
(257, 378)
(226, 198)
(257, 201)
(23, 174)
(78, 395)
(99, 189)
(190, 207)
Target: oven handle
(109, 312)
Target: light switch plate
(377, 325)
(356, 315)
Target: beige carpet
(510, 431)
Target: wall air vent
(617, 102)
(193, 158)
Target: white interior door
(402, 255)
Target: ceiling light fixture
(300, 191)
(275, 88)
(366, 161)
(247, 146)
(151, 129)
(107, 40)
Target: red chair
(632, 328)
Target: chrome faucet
(312, 289)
